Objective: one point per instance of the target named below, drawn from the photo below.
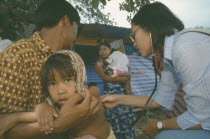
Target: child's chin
(62, 102)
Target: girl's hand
(110, 101)
(45, 115)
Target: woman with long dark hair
(115, 86)
(185, 53)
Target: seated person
(119, 64)
(62, 75)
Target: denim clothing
(183, 134)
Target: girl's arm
(107, 78)
(70, 114)
(10, 120)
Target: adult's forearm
(25, 126)
(24, 130)
(64, 123)
(8, 121)
(107, 78)
(137, 101)
(171, 124)
(31, 130)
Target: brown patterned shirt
(20, 64)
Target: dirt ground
(152, 114)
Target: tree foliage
(202, 27)
(91, 12)
(132, 6)
(21, 11)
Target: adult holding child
(155, 29)
(20, 64)
(117, 115)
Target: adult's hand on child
(76, 109)
(45, 117)
(151, 128)
(110, 101)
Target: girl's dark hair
(60, 63)
(51, 11)
(159, 20)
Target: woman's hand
(45, 115)
(110, 101)
(151, 128)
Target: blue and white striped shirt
(141, 84)
(187, 60)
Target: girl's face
(142, 40)
(104, 51)
(61, 89)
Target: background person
(115, 86)
(185, 52)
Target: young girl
(62, 75)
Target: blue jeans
(184, 134)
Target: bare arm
(111, 101)
(169, 124)
(172, 124)
(10, 120)
(107, 78)
(70, 114)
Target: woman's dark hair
(60, 63)
(107, 44)
(159, 20)
(51, 11)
